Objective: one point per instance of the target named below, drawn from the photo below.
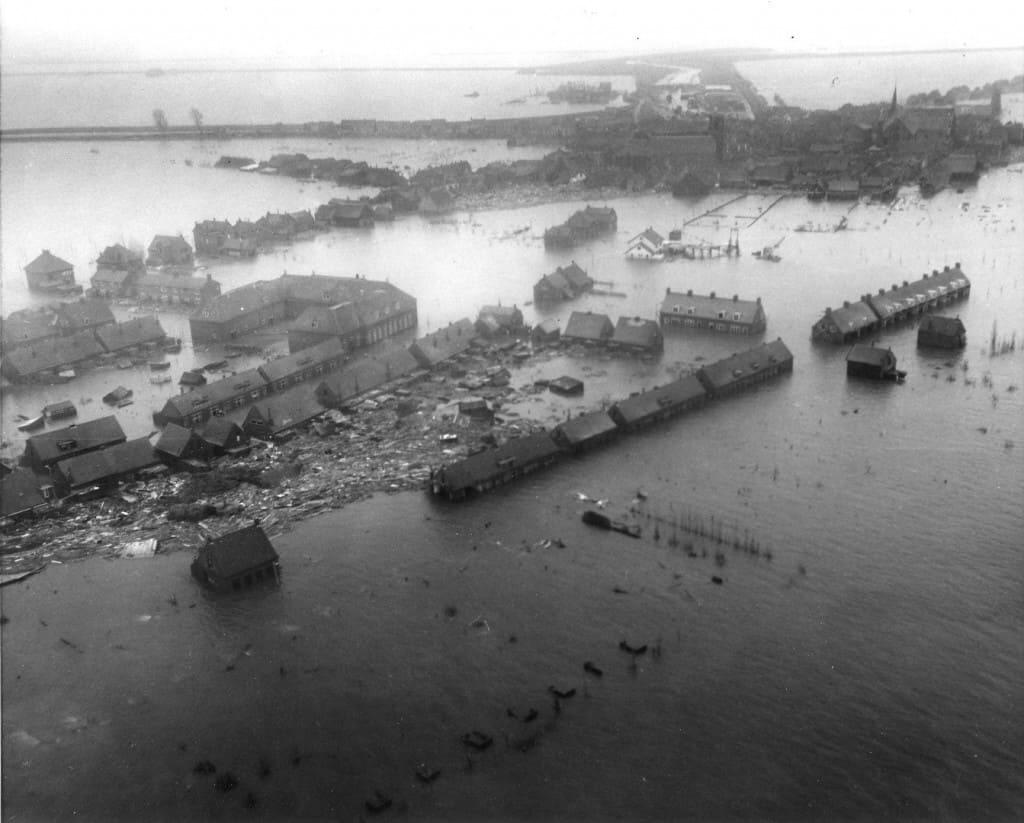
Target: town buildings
(50, 273)
(158, 287)
(167, 250)
(583, 225)
(637, 335)
(713, 313)
(872, 362)
(378, 310)
(104, 466)
(450, 341)
(589, 328)
(47, 449)
(237, 560)
(660, 403)
(564, 283)
(746, 369)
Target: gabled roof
(113, 276)
(237, 552)
(650, 236)
(900, 298)
(637, 332)
(965, 163)
(745, 364)
(852, 318)
(213, 394)
(51, 353)
(588, 326)
(219, 431)
(47, 263)
(138, 330)
(248, 298)
(708, 306)
(25, 326)
(174, 440)
(522, 451)
(937, 324)
(504, 316)
(870, 355)
(678, 393)
(557, 283)
(437, 346)
(934, 119)
(586, 427)
(340, 319)
(168, 241)
(329, 349)
(117, 256)
(576, 276)
(84, 314)
(286, 409)
(87, 435)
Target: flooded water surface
(865, 663)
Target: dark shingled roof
(174, 440)
(588, 326)
(920, 291)
(707, 307)
(220, 431)
(852, 318)
(85, 314)
(745, 364)
(937, 324)
(51, 353)
(522, 451)
(438, 346)
(109, 463)
(870, 355)
(239, 551)
(217, 392)
(586, 427)
(676, 394)
(637, 333)
(132, 332)
(329, 349)
(47, 263)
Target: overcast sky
(484, 32)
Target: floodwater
(38, 100)
(870, 669)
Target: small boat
(172, 346)
(158, 379)
(768, 253)
(126, 402)
(159, 365)
(66, 374)
(472, 94)
(32, 424)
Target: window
(721, 315)
(691, 310)
(737, 315)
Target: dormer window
(691, 310)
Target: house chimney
(712, 294)
(689, 292)
(846, 304)
(828, 310)
(735, 298)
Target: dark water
(883, 682)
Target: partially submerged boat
(602, 521)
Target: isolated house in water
(874, 363)
(237, 560)
(50, 273)
(941, 332)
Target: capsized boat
(32, 424)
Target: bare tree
(160, 119)
(197, 118)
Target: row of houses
(634, 334)
(50, 355)
(97, 453)
(245, 237)
(872, 312)
(357, 310)
(521, 456)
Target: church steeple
(892, 105)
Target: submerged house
(874, 363)
(106, 466)
(498, 320)
(20, 494)
(167, 250)
(564, 283)
(436, 347)
(585, 431)
(494, 467)
(941, 332)
(720, 314)
(661, 403)
(746, 369)
(50, 273)
(237, 560)
(638, 335)
(844, 324)
(588, 327)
